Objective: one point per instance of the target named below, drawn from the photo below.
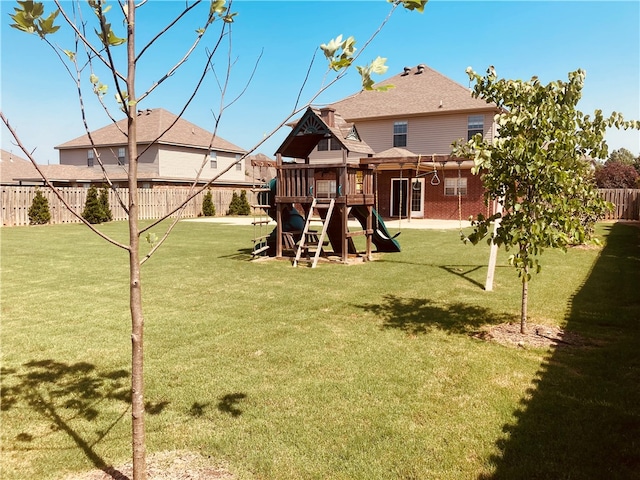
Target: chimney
(420, 69)
(328, 115)
(406, 71)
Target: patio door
(417, 198)
(399, 197)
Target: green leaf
(70, 54)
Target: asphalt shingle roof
(428, 92)
(151, 124)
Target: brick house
(411, 128)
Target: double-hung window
(121, 156)
(238, 162)
(326, 144)
(400, 130)
(213, 159)
(455, 186)
(475, 124)
(90, 158)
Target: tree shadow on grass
(419, 315)
(581, 417)
(67, 396)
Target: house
(17, 171)
(411, 128)
(171, 151)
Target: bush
(616, 175)
(239, 204)
(39, 211)
(96, 209)
(208, 208)
(104, 204)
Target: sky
(273, 43)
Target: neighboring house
(16, 171)
(171, 151)
(411, 128)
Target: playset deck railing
(297, 183)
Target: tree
(208, 208)
(93, 212)
(617, 175)
(623, 156)
(537, 168)
(87, 58)
(107, 216)
(239, 204)
(39, 213)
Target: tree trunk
(525, 298)
(135, 286)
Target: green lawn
(339, 372)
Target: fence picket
(153, 203)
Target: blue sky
(520, 38)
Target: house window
(400, 134)
(453, 186)
(121, 156)
(325, 188)
(328, 144)
(213, 158)
(238, 162)
(90, 158)
(475, 124)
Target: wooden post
(493, 254)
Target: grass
(338, 372)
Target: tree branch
(55, 190)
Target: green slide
(383, 241)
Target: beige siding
(426, 135)
(177, 162)
(108, 156)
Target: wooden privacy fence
(153, 202)
(626, 203)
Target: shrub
(208, 208)
(239, 204)
(616, 175)
(107, 216)
(39, 211)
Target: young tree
(107, 215)
(30, 17)
(239, 204)
(93, 212)
(39, 213)
(208, 208)
(537, 168)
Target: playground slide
(383, 241)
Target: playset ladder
(320, 204)
(260, 220)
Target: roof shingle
(151, 123)
(417, 91)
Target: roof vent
(148, 111)
(440, 104)
(421, 68)
(406, 71)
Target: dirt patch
(173, 465)
(537, 336)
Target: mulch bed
(537, 336)
(172, 465)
